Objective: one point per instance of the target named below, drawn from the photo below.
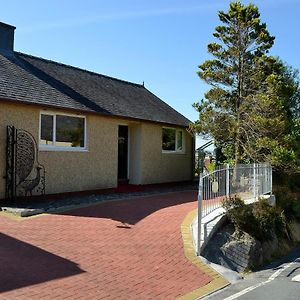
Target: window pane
(179, 140)
(168, 139)
(69, 131)
(46, 130)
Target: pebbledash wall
(96, 168)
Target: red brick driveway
(128, 249)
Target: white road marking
(253, 287)
(296, 278)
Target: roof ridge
(80, 69)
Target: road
(278, 281)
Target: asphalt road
(280, 280)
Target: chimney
(7, 33)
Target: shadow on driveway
(22, 264)
(131, 211)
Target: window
(179, 140)
(62, 132)
(46, 130)
(172, 140)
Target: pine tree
(253, 95)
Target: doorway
(123, 154)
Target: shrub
(240, 214)
(288, 201)
(260, 220)
(294, 183)
(291, 182)
(269, 219)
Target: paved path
(129, 249)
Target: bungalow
(86, 130)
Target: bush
(290, 182)
(288, 201)
(260, 220)
(239, 213)
(294, 183)
(269, 219)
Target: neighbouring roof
(35, 80)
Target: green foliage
(289, 183)
(211, 167)
(252, 108)
(220, 157)
(289, 202)
(260, 220)
(269, 219)
(239, 214)
(294, 184)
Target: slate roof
(35, 80)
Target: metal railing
(247, 181)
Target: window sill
(172, 152)
(62, 149)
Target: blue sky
(158, 42)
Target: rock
(238, 251)
(243, 251)
(23, 212)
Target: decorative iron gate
(25, 176)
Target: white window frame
(53, 147)
(181, 151)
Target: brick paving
(128, 249)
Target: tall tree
(272, 115)
(244, 104)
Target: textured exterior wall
(158, 167)
(21, 117)
(97, 168)
(67, 171)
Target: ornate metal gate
(25, 176)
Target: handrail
(248, 181)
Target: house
(91, 131)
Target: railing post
(254, 180)
(227, 181)
(263, 180)
(200, 205)
(271, 179)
